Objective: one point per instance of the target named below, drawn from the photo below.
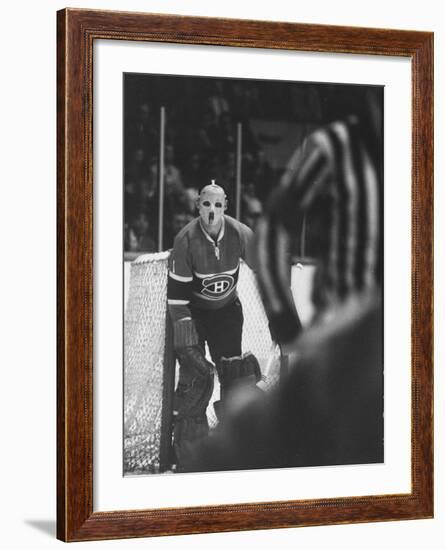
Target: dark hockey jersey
(203, 271)
(343, 162)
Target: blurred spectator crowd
(200, 145)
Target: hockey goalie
(206, 311)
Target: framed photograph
(245, 229)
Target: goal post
(168, 389)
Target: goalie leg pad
(232, 369)
(187, 434)
(237, 375)
(195, 388)
(193, 361)
(193, 395)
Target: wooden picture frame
(77, 31)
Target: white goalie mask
(212, 204)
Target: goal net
(149, 364)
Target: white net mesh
(145, 322)
(256, 334)
(144, 343)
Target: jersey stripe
(205, 275)
(180, 278)
(178, 303)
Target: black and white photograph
(253, 274)
(223, 275)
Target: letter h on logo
(220, 286)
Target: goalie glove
(185, 334)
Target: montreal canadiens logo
(217, 287)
